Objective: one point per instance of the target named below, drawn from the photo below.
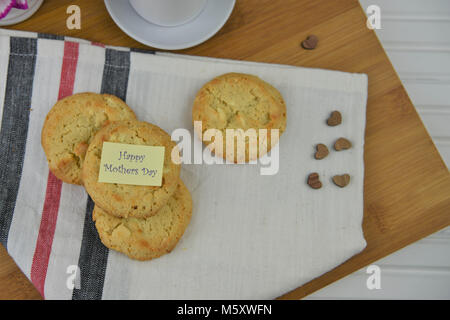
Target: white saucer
(18, 15)
(192, 33)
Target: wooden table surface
(407, 185)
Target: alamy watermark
(74, 20)
(374, 280)
(373, 17)
(190, 149)
(73, 280)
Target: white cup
(168, 13)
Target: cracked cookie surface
(70, 126)
(130, 200)
(240, 101)
(147, 238)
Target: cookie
(69, 127)
(130, 200)
(240, 101)
(147, 238)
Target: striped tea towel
(251, 236)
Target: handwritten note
(131, 164)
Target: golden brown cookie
(147, 238)
(130, 200)
(240, 101)
(70, 126)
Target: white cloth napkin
(251, 236)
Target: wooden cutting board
(407, 185)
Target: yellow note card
(131, 164)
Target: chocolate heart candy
(322, 151)
(334, 119)
(310, 42)
(313, 181)
(341, 180)
(342, 144)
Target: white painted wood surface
(416, 37)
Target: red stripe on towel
(53, 192)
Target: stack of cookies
(144, 222)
